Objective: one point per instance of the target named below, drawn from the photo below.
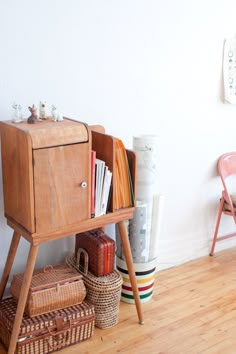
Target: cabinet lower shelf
(84, 225)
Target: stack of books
(113, 167)
(101, 186)
(124, 194)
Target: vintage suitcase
(51, 288)
(49, 332)
(100, 249)
(103, 292)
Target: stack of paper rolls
(141, 229)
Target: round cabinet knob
(84, 184)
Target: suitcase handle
(63, 331)
(47, 268)
(85, 268)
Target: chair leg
(217, 226)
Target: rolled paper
(157, 213)
(138, 233)
(145, 147)
(119, 248)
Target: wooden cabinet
(46, 173)
(46, 170)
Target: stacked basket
(103, 291)
(52, 288)
(56, 315)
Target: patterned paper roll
(138, 233)
(145, 277)
(145, 147)
(136, 229)
(119, 248)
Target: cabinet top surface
(48, 133)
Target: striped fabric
(145, 277)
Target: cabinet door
(62, 186)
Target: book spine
(93, 160)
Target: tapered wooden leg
(221, 205)
(23, 297)
(10, 259)
(130, 266)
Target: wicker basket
(50, 332)
(52, 288)
(103, 292)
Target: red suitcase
(101, 251)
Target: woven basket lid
(49, 276)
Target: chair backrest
(227, 167)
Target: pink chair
(226, 167)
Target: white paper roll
(145, 147)
(157, 213)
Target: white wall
(134, 66)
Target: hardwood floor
(193, 310)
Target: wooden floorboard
(193, 311)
